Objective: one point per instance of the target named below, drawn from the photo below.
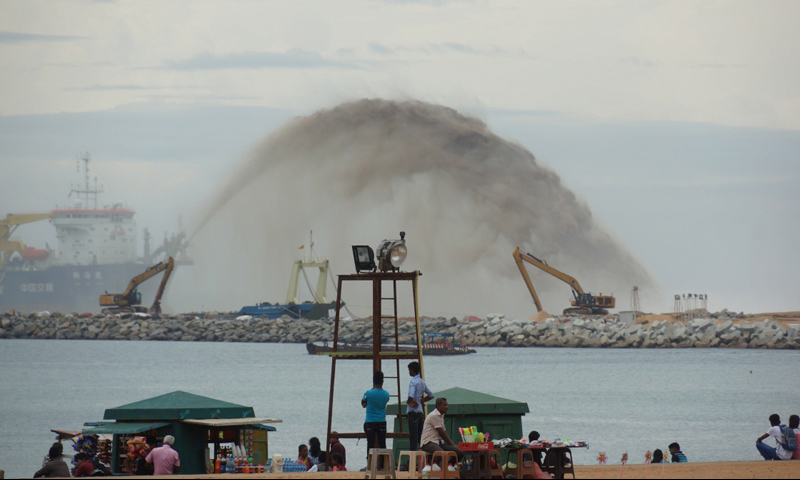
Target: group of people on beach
(786, 438)
(425, 433)
(676, 455)
(315, 459)
(163, 460)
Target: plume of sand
(365, 170)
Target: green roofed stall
(501, 417)
(200, 425)
(178, 406)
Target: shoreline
(647, 331)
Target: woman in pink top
(794, 422)
(302, 456)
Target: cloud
(293, 59)
(17, 37)
(432, 48)
(109, 87)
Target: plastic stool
(476, 464)
(497, 470)
(444, 457)
(416, 462)
(374, 470)
(555, 460)
(523, 458)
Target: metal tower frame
(380, 351)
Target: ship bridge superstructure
(92, 235)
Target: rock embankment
(492, 332)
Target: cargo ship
(96, 252)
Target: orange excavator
(583, 303)
(130, 301)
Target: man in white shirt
(769, 453)
(434, 435)
(418, 395)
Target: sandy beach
(757, 469)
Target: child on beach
(336, 461)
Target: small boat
(311, 310)
(433, 343)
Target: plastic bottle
(218, 463)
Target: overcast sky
(678, 122)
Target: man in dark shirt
(56, 467)
(337, 447)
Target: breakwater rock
(491, 332)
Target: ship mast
(86, 194)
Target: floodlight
(392, 253)
(364, 258)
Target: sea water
(714, 402)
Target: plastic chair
(377, 468)
(524, 463)
(444, 457)
(476, 464)
(497, 469)
(558, 462)
(416, 462)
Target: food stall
(203, 427)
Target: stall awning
(125, 427)
(235, 422)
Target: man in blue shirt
(418, 395)
(375, 401)
(677, 455)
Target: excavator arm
(155, 309)
(131, 297)
(583, 301)
(519, 257)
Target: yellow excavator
(583, 303)
(7, 227)
(130, 301)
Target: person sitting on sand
(314, 449)
(677, 455)
(770, 453)
(658, 456)
(337, 463)
(302, 456)
(56, 467)
(794, 423)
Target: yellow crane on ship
(7, 227)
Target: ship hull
(309, 311)
(66, 288)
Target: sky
(676, 122)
